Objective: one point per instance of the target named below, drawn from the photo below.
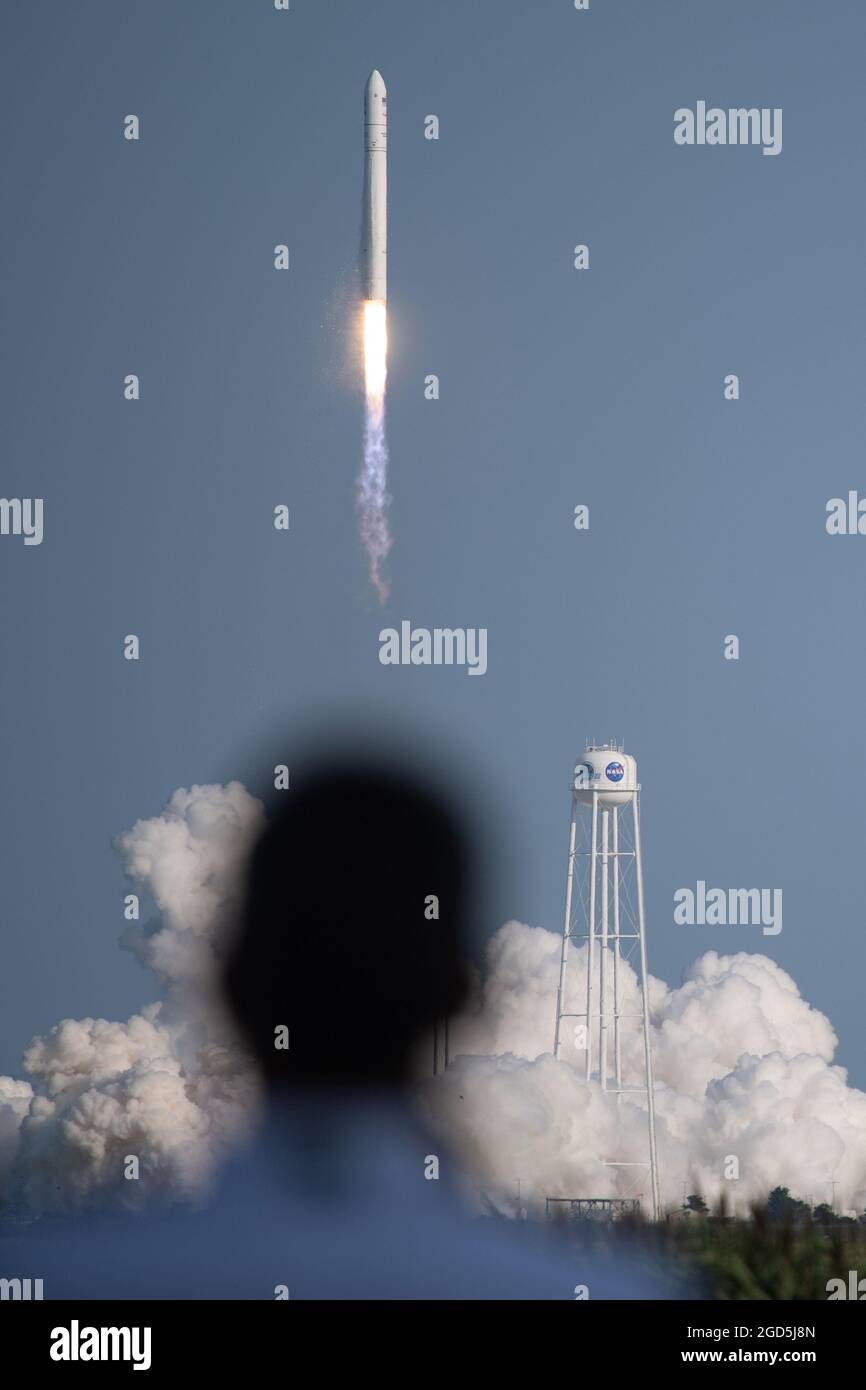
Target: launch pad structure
(590, 1208)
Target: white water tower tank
(606, 769)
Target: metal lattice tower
(604, 907)
(591, 1208)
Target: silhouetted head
(353, 928)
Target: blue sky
(558, 387)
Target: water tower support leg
(590, 945)
(602, 1003)
(566, 930)
(616, 1041)
(654, 1168)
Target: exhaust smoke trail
(373, 483)
(373, 496)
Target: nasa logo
(614, 772)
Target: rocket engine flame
(373, 496)
(375, 351)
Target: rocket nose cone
(375, 84)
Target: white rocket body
(375, 237)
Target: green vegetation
(778, 1254)
(784, 1251)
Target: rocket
(375, 236)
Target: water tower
(604, 908)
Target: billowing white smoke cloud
(188, 860)
(168, 1086)
(743, 1065)
(743, 1070)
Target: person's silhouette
(338, 945)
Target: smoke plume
(744, 1066)
(170, 1086)
(744, 1084)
